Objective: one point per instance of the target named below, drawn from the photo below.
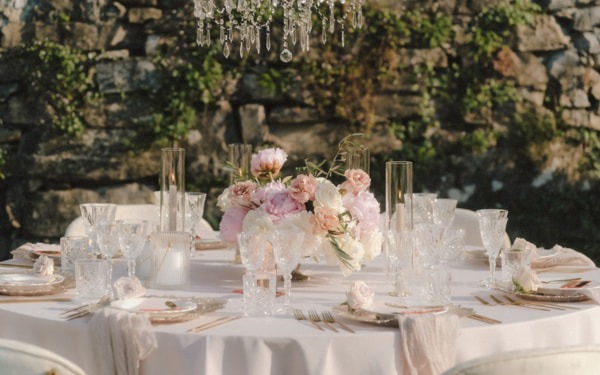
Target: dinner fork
(314, 316)
(328, 318)
(81, 311)
(299, 315)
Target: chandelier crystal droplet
(242, 23)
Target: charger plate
(24, 284)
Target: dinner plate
(52, 254)
(390, 309)
(158, 309)
(365, 316)
(552, 298)
(210, 244)
(24, 284)
(569, 289)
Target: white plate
(562, 290)
(156, 308)
(29, 285)
(365, 317)
(390, 309)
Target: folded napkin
(123, 339)
(25, 251)
(427, 342)
(557, 256)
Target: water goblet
(131, 234)
(93, 213)
(428, 239)
(423, 207)
(107, 237)
(287, 249)
(194, 210)
(443, 211)
(492, 226)
(252, 247)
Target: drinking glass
(443, 211)
(453, 244)
(423, 207)
(107, 237)
(287, 248)
(513, 260)
(428, 239)
(132, 234)
(194, 210)
(492, 226)
(94, 213)
(252, 247)
(72, 248)
(92, 278)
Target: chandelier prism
(241, 22)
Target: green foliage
(2, 163)
(59, 77)
(590, 140)
(428, 29)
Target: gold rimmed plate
(24, 284)
(159, 310)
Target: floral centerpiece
(340, 222)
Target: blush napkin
(427, 342)
(123, 340)
(557, 256)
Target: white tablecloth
(280, 344)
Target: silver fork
(328, 318)
(299, 315)
(314, 316)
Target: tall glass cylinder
(358, 157)
(172, 189)
(170, 260)
(239, 158)
(399, 195)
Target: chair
(580, 360)
(469, 220)
(21, 358)
(147, 212)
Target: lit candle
(400, 212)
(172, 202)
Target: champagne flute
(132, 234)
(492, 226)
(287, 248)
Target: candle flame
(172, 178)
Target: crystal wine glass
(428, 238)
(492, 226)
(107, 237)
(132, 234)
(94, 213)
(443, 211)
(194, 210)
(287, 248)
(252, 250)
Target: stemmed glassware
(94, 213)
(443, 211)
(252, 247)
(287, 248)
(492, 226)
(132, 234)
(194, 210)
(107, 237)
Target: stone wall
(48, 173)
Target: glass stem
(287, 286)
(131, 268)
(492, 260)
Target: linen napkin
(123, 340)
(25, 251)
(427, 342)
(557, 256)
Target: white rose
(43, 266)
(359, 296)
(223, 201)
(126, 287)
(301, 222)
(526, 280)
(327, 195)
(372, 243)
(257, 220)
(354, 250)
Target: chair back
(21, 358)
(580, 360)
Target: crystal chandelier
(241, 22)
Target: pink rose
(357, 180)
(279, 203)
(364, 208)
(241, 193)
(302, 188)
(326, 219)
(267, 162)
(231, 223)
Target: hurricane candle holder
(170, 260)
(239, 158)
(172, 189)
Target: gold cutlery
(482, 301)
(314, 316)
(549, 304)
(83, 310)
(517, 304)
(329, 318)
(214, 323)
(484, 319)
(299, 315)
(21, 300)
(561, 280)
(546, 305)
(15, 265)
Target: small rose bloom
(241, 193)
(359, 295)
(43, 266)
(327, 219)
(303, 187)
(267, 162)
(526, 280)
(327, 195)
(357, 181)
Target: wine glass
(428, 239)
(287, 248)
(443, 211)
(194, 210)
(252, 247)
(132, 234)
(492, 226)
(107, 237)
(94, 213)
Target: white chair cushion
(20, 358)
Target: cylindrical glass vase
(358, 157)
(399, 195)
(172, 190)
(170, 260)
(239, 158)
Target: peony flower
(278, 204)
(357, 181)
(241, 193)
(267, 162)
(231, 223)
(43, 266)
(302, 188)
(327, 195)
(359, 296)
(526, 280)
(365, 209)
(372, 243)
(302, 222)
(260, 195)
(126, 287)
